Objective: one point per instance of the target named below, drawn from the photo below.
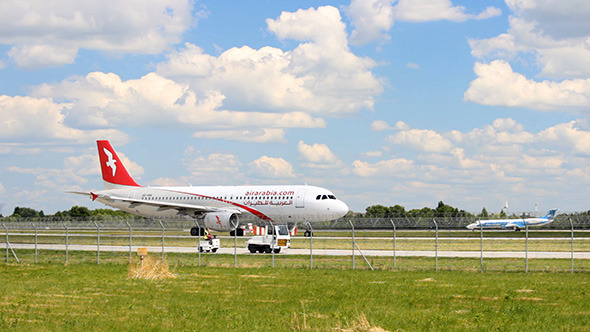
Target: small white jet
(216, 207)
(515, 224)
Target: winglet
(113, 171)
(94, 196)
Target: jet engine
(221, 221)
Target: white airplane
(216, 207)
(515, 224)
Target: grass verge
(86, 296)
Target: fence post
(526, 247)
(480, 246)
(236, 245)
(572, 241)
(310, 245)
(359, 249)
(394, 243)
(353, 243)
(7, 245)
(435, 246)
(35, 227)
(97, 243)
(67, 242)
(163, 252)
(130, 240)
(198, 241)
(273, 243)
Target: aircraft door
(300, 198)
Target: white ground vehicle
(276, 240)
(212, 246)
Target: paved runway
(319, 252)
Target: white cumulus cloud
(29, 119)
(321, 75)
(380, 125)
(556, 34)
(434, 10)
(371, 20)
(421, 140)
(269, 167)
(318, 154)
(104, 100)
(50, 33)
(497, 84)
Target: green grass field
(378, 240)
(82, 295)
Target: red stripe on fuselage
(249, 209)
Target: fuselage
(277, 203)
(515, 224)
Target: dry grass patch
(361, 324)
(151, 269)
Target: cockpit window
(324, 197)
(318, 197)
(331, 196)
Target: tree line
(75, 212)
(373, 211)
(442, 210)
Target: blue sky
(384, 102)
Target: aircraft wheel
(201, 249)
(195, 231)
(214, 249)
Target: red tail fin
(113, 171)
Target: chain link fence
(382, 243)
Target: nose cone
(340, 209)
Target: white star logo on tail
(111, 162)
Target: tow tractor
(209, 245)
(276, 240)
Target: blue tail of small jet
(551, 214)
